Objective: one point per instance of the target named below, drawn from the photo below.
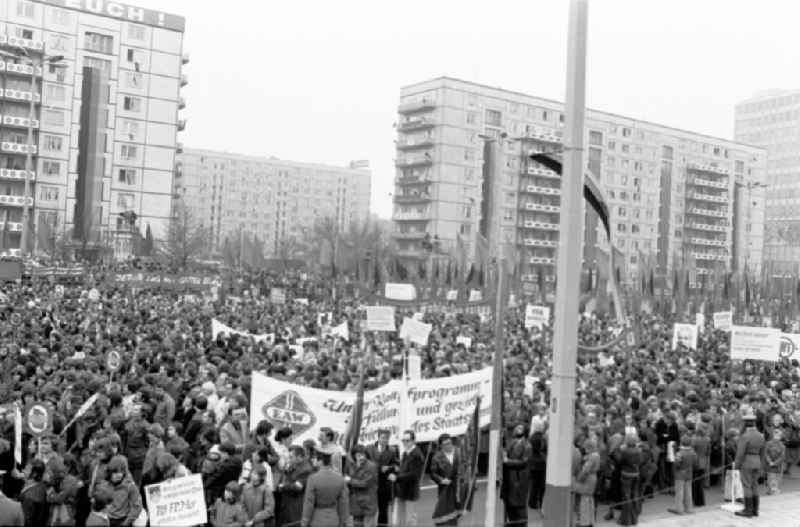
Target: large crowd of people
(649, 418)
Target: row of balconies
(16, 175)
(412, 198)
(409, 216)
(539, 260)
(21, 69)
(707, 241)
(15, 201)
(535, 278)
(528, 224)
(540, 207)
(709, 256)
(416, 123)
(699, 167)
(19, 122)
(410, 235)
(422, 105)
(408, 144)
(699, 196)
(703, 182)
(534, 189)
(412, 180)
(706, 227)
(17, 148)
(535, 242)
(540, 171)
(19, 95)
(707, 212)
(414, 162)
(17, 42)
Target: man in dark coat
(293, 487)
(444, 472)
(407, 478)
(385, 458)
(362, 482)
(10, 512)
(749, 456)
(228, 469)
(516, 478)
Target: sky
(319, 81)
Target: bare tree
(327, 236)
(186, 238)
(287, 250)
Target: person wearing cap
(444, 472)
(749, 453)
(228, 509)
(362, 482)
(516, 478)
(291, 489)
(385, 458)
(326, 502)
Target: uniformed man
(326, 502)
(749, 453)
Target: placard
(767, 321)
(277, 295)
(452, 295)
(465, 341)
(396, 291)
(755, 343)
(475, 295)
(38, 419)
(218, 327)
(177, 502)
(789, 346)
(685, 334)
(530, 384)
(415, 331)
(303, 301)
(536, 316)
(723, 320)
(94, 294)
(113, 360)
(700, 321)
(380, 318)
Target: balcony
(33, 45)
(184, 80)
(414, 254)
(535, 242)
(699, 196)
(417, 123)
(542, 136)
(707, 241)
(19, 69)
(707, 212)
(540, 207)
(16, 175)
(540, 225)
(416, 162)
(412, 235)
(19, 122)
(181, 103)
(185, 58)
(412, 198)
(706, 227)
(411, 216)
(426, 142)
(11, 252)
(412, 180)
(181, 125)
(698, 167)
(179, 147)
(21, 95)
(709, 256)
(14, 201)
(14, 226)
(534, 189)
(544, 172)
(702, 182)
(17, 148)
(539, 260)
(423, 105)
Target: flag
(461, 255)
(86, 405)
(227, 254)
(470, 275)
(353, 429)
(376, 276)
(147, 249)
(45, 235)
(422, 272)
(17, 434)
(341, 331)
(469, 448)
(651, 286)
(481, 251)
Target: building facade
(270, 198)
(672, 193)
(771, 120)
(124, 62)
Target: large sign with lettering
(124, 12)
(177, 502)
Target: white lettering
(94, 5)
(73, 4)
(115, 9)
(136, 13)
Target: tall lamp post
(28, 60)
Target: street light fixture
(55, 59)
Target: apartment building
(105, 80)
(674, 195)
(771, 119)
(270, 198)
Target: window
(135, 32)
(53, 143)
(98, 64)
(626, 132)
(465, 229)
(98, 43)
(471, 117)
(25, 9)
(57, 42)
(125, 201)
(51, 168)
(48, 193)
(60, 16)
(595, 138)
(739, 167)
(634, 229)
(544, 115)
(494, 118)
(130, 128)
(128, 152)
(472, 100)
(508, 215)
(59, 71)
(469, 154)
(469, 174)
(621, 212)
(131, 55)
(621, 227)
(133, 79)
(132, 104)
(53, 117)
(612, 145)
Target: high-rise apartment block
(105, 84)
(771, 120)
(673, 195)
(273, 199)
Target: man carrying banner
(444, 472)
(385, 457)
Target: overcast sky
(319, 80)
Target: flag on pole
(17, 434)
(469, 449)
(357, 413)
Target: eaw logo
(289, 409)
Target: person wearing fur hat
(749, 456)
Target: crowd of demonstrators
(649, 418)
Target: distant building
(106, 116)
(268, 197)
(672, 193)
(771, 119)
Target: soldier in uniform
(326, 502)
(749, 453)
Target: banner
(341, 331)
(723, 320)
(415, 331)
(380, 318)
(755, 343)
(536, 316)
(277, 295)
(177, 502)
(405, 292)
(435, 406)
(167, 281)
(685, 334)
(218, 327)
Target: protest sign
(452, 295)
(723, 320)
(380, 318)
(113, 360)
(475, 295)
(38, 419)
(415, 331)
(94, 294)
(405, 292)
(530, 384)
(341, 331)
(789, 346)
(303, 301)
(177, 502)
(218, 327)
(685, 334)
(434, 406)
(536, 316)
(699, 321)
(755, 343)
(277, 295)
(466, 341)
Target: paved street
(775, 511)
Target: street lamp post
(23, 246)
